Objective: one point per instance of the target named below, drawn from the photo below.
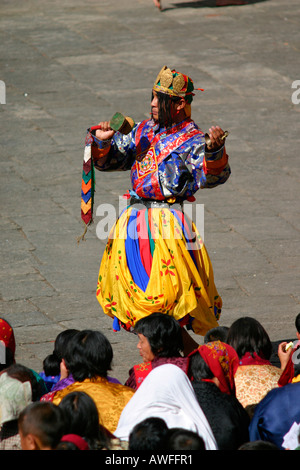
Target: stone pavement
(67, 65)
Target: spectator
(81, 416)
(41, 426)
(72, 442)
(88, 357)
(258, 445)
(212, 368)
(255, 376)
(184, 440)
(51, 373)
(149, 434)
(7, 344)
(66, 377)
(160, 342)
(290, 358)
(8, 351)
(166, 393)
(15, 395)
(275, 415)
(219, 333)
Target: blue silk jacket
(164, 164)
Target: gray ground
(67, 65)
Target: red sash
(141, 371)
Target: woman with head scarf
(212, 369)
(166, 393)
(7, 344)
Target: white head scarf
(14, 397)
(166, 393)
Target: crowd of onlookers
(236, 391)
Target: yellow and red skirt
(155, 261)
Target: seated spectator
(258, 445)
(7, 344)
(275, 415)
(24, 374)
(41, 426)
(8, 351)
(160, 342)
(219, 333)
(183, 439)
(166, 393)
(51, 373)
(290, 358)
(212, 368)
(255, 376)
(72, 442)
(65, 378)
(149, 434)
(81, 416)
(88, 358)
(222, 361)
(16, 392)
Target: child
(41, 426)
(52, 363)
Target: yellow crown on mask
(174, 84)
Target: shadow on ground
(207, 4)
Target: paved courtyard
(66, 65)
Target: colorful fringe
(87, 185)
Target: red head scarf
(223, 361)
(7, 336)
(80, 443)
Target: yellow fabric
(110, 398)
(176, 287)
(86, 206)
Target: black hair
(218, 333)
(24, 374)
(183, 439)
(247, 335)
(88, 355)
(149, 434)
(66, 445)
(258, 445)
(163, 333)
(297, 323)
(51, 363)
(82, 418)
(45, 421)
(198, 369)
(165, 101)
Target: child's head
(41, 426)
(51, 363)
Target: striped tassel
(87, 186)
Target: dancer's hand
(215, 134)
(105, 132)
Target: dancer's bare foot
(157, 4)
